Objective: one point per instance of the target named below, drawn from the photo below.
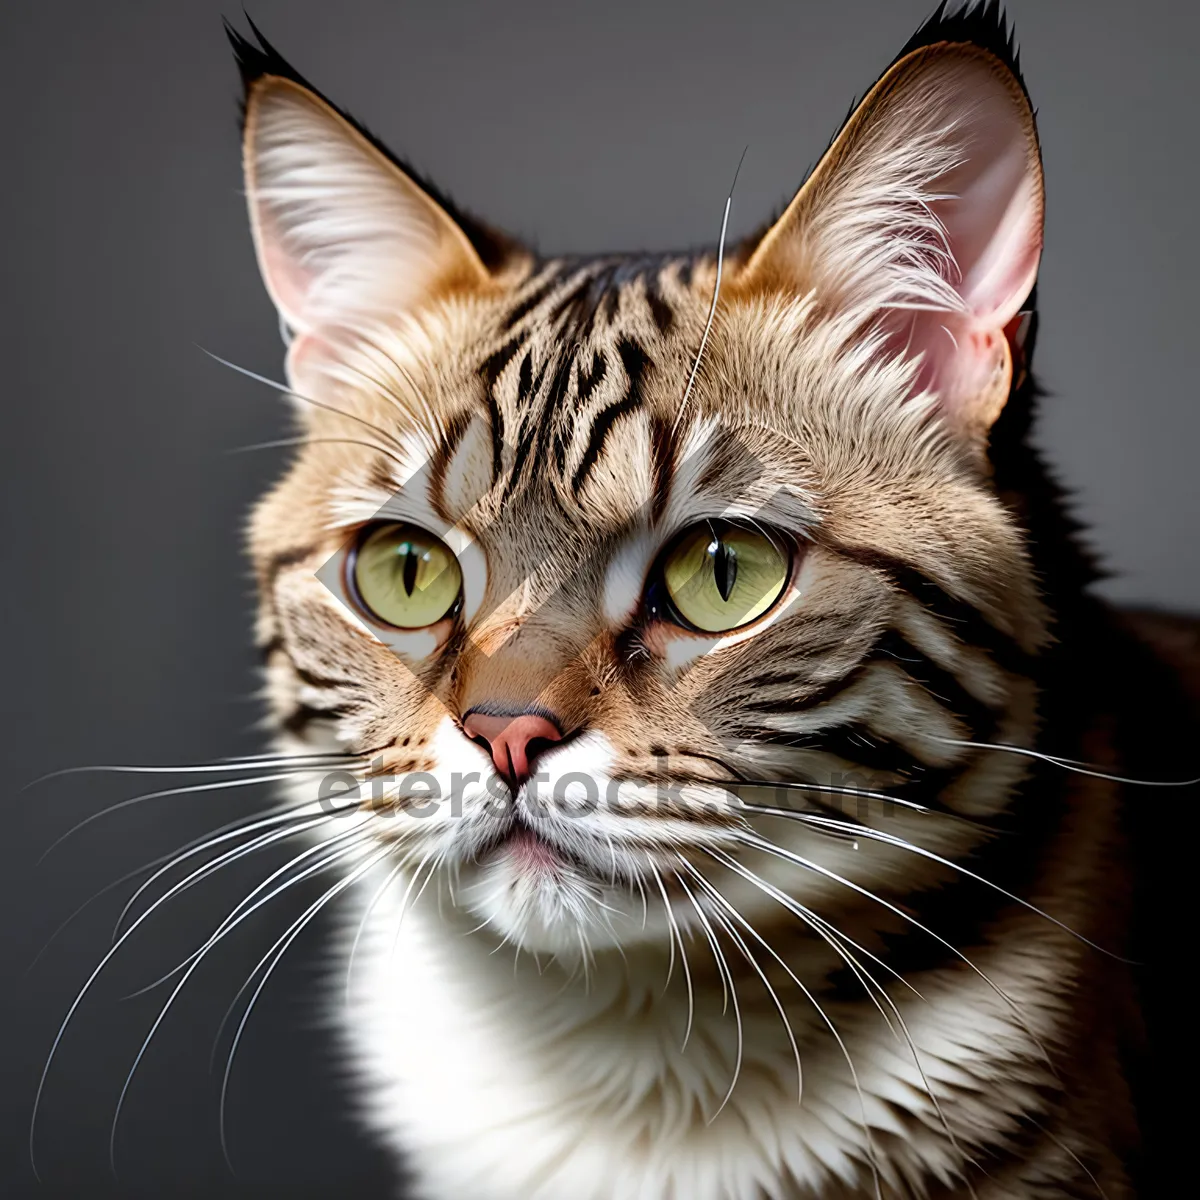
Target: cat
(679, 642)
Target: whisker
(809, 918)
(404, 904)
(82, 993)
(863, 975)
(223, 931)
(1067, 1150)
(397, 451)
(1073, 765)
(716, 296)
(223, 766)
(788, 856)
(726, 974)
(428, 415)
(279, 949)
(172, 857)
(877, 835)
(383, 887)
(741, 945)
(866, 1128)
(224, 833)
(190, 789)
(284, 443)
(675, 934)
(831, 789)
(232, 856)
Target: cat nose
(514, 742)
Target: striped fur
(933, 946)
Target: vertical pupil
(725, 568)
(408, 572)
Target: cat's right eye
(405, 576)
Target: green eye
(405, 576)
(721, 576)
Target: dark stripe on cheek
(966, 622)
(286, 559)
(939, 683)
(302, 716)
(854, 744)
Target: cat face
(587, 563)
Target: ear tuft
(923, 221)
(259, 58)
(982, 24)
(347, 236)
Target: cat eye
(719, 576)
(404, 576)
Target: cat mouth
(531, 853)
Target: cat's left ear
(924, 220)
(345, 234)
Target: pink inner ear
(289, 283)
(992, 217)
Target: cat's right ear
(346, 235)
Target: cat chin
(558, 911)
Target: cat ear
(924, 218)
(344, 232)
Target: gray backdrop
(127, 605)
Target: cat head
(586, 562)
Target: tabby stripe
(938, 682)
(497, 424)
(380, 476)
(271, 646)
(585, 385)
(822, 695)
(530, 435)
(967, 623)
(660, 310)
(852, 742)
(321, 681)
(635, 361)
(663, 452)
(304, 715)
(611, 303)
(490, 372)
(525, 377)
(285, 559)
(550, 420)
(572, 306)
(530, 302)
(495, 363)
(456, 429)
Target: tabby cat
(707, 667)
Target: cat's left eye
(404, 576)
(719, 576)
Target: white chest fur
(500, 1081)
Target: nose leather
(514, 742)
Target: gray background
(126, 600)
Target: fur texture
(827, 935)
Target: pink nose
(514, 742)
